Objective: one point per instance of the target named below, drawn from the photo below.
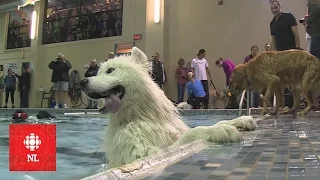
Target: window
(74, 20)
(19, 25)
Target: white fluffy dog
(184, 105)
(143, 120)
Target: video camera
(303, 20)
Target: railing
(241, 102)
(248, 103)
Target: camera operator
(312, 23)
(60, 78)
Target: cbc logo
(32, 142)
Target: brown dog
(273, 71)
(214, 97)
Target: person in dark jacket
(60, 78)
(92, 71)
(10, 87)
(24, 87)
(313, 26)
(158, 71)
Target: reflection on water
(79, 146)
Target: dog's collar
(246, 77)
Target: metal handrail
(248, 108)
(241, 101)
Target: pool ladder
(248, 105)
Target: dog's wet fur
(45, 115)
(273, 71)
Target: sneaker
(13, 106)
(56, 106)
(65, 106)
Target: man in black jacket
(158, 71)
(24, 87)
(60, 78)
(92, 71)
(313, 26)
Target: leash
(211, 83)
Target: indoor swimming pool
(79, 141)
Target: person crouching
(196, 93)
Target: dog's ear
(138, 56)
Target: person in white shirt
(200, 69)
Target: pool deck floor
(284, 148)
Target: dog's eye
(110, 70)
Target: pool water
(79, 141)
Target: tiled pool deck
(283, 148)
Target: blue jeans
(181, 89)
(315, 46)
(256, 98)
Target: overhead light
(156, 11)
(33, 25)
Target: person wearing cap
(60, 78)
(110, 56)
(200, 69)
(313, 26)
(92, 71)
(196, 92)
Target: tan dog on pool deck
(215, 96)
(274, 71)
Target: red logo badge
(32, 147)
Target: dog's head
(238, 78)
(119, 79)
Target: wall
(15, 55)
(227, 31)
(78, 53)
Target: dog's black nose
(83, 83)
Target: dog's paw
(131, 167)
(244, 123)
(300, 114)
(224, 134)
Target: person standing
(24, 87)
(1, 85)
(285, 36)
(10, 83)
(110, 56)
(158, 70)
(283, 28)
(267, 46)
(228, 67)
(181, 75)
(313, 26)
(92, 71)
(256, 96)
(254, 52)
(60, 78)
(200, 70)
